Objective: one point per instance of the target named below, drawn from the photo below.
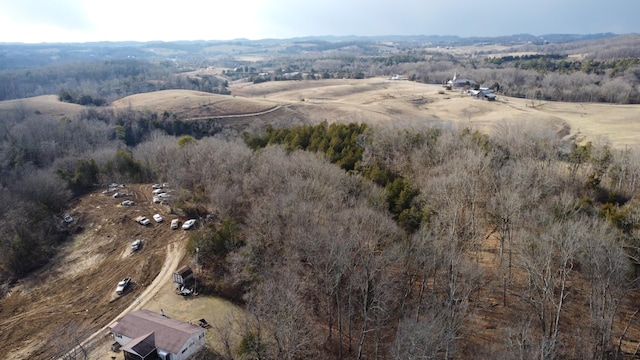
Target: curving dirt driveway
(175, 252)
(72, 298)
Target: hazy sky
(145, 20)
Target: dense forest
(354, 241)
(362, 281)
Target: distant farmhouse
(473, 88)
(459, 83)
(146, 335)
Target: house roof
(170, 334)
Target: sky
(37, 21)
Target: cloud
(145, 20)
(63, 14)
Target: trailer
(183, 276)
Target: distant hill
(37, 107)
(193, 104)
(23, 56)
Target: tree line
(101, 82)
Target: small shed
(183, 275)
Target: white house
(145, 334)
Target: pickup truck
(142, 220)
(123, 285)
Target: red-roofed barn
(145, 334)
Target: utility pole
(197, 272)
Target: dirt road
(175, 252)
(73, 297)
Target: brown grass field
(380, 101)
(374, 101)
(37, 107)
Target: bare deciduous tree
(548, 250)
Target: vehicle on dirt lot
(156, 186)
(157, 191)
(67, 218)
(142, 220)
(156, 200)
(136, 245)
(127, 203)
(188, 224)
(123, 285)
(174, 224)
(157, 218)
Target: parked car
(156, 199)
(142, 220)
(164, 195)
(157, 218)
(156, 186)
(123, 285)
(127, 203)
(157, 191)
(188, 224)
(174, 224)
(136, 245)
(67, 218)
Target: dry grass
(37, 107)
(374, 101)
(189, 103)
(379, 100)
